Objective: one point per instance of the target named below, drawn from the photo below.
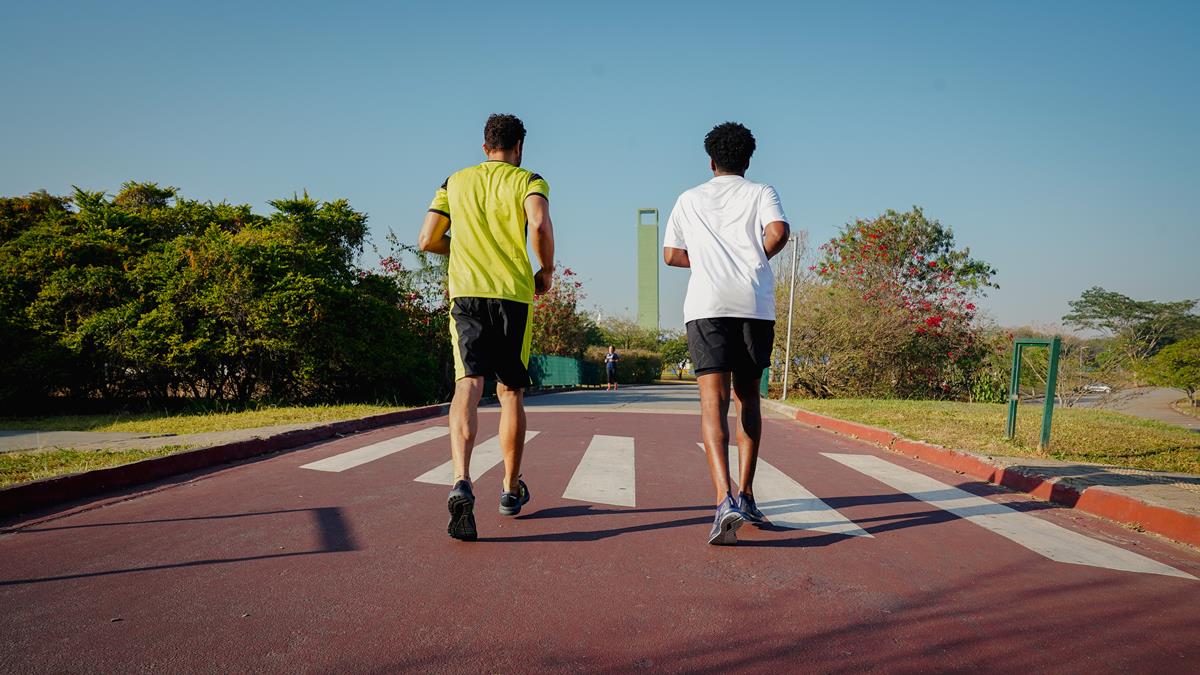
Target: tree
(1178, 366)
(888, 310)
(625, 333)
(1139, 328)
(559, 328)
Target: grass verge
(1077, 435)
(21, 467)
(195, 422)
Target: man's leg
(749, 428)
(512, 433)
(464, 424)
(714, 428)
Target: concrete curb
(1096, 500)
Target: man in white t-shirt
(726, 230)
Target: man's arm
(775, 237)
(541, 236)
(433, 237)
(676, 257)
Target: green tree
(147, 295)
(624, 333)
(1139, 328)
(1177, 366)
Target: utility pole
(787, 353)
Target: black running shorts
(731, 345)
(491, 339)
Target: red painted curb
(37, 494)
(1096, 500)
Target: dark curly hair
(730, 146)
(503, 132)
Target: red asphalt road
(266, 567)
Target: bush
(150, 297)
(637, 366)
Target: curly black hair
(730, 146)
(503, 132)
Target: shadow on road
(808, 538)
(331, 525)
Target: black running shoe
(725, 525)
(750, 510)
(462, 512)
(511, 502)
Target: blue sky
(1061, 141)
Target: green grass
(1077, 435)
(20, 467)
(194, 422)
(669, 374)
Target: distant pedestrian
(496, 209)
(610, 367)
(726, 230)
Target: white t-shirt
(721, 225)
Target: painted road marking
(485, 456)
(370, 453)
(789, 504)
(1041, 536)
(605, 475)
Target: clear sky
(1061, 140)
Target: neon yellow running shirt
(486, 207)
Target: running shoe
(750, 510)
(462, 512)
(511, 502)
(725, 525)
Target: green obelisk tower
(647, 256)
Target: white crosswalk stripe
(605, 475)
(370, 453)
(1041, 536)
(789, 504)
(485, 456)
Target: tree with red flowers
(559, 328)
(908, 294)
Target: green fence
(562, 371)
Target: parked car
(1097, 388)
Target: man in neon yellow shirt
(483, 217)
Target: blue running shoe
(462, 512)
(511, 502)
(750, 510)
(725, 525)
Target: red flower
(933, 263)
(971, 306)
(933, 321)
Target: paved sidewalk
(88, 440)
(35, 440)
(1152, 403)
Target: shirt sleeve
(769, 207)
(673, 237)
(441, 200)
(538, 186)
